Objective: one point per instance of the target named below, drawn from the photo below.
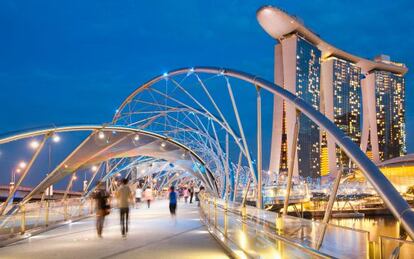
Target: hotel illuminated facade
(364, 98)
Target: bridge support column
(244, 215)
(215, 212)
(236, 181)
(291, 163)
(23, 219)
(47, 214)
(65, 208)
(259, 150)
(225, 219)
(328, 211)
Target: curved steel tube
(109, 128)
(398, 206)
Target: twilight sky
(68, 62)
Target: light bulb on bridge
(136, 137)
(56, 138)
(163, 144)
(101, 135)
(18, 170)
(34, 144)
(22, 164)
(94, 168)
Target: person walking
(191, 193)
(124, 196)
(148, 196)
(102, 207)
(185, 193)
(172, 196)
(200, 192)
(138, 196)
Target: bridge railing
(247, 234)
(395, 248)
(40, 215)
(254, 232)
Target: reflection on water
(376, 226)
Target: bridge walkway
(152, 234)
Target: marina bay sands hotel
(365, 98)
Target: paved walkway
(152, 234)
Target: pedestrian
(172, 196)
(138, 196)
(148, 196)
(191, 193)
(102, 207)
(185, 193)
(124, 196)
(196, 191)
(200, 193)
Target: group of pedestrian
(125, 196)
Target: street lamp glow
(94, 168)
(22, 164)
(101, 135)
(34, 144)
(18, 170)
(163, 144)
(56, 138)
(75, 177)
(136, 137)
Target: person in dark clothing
(191, 193)
(102, 207)
(173, 201)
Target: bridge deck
(152, 234)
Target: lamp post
(18, 170)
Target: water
(376, 226)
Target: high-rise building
(364, 98)
(308, 70)
(390, 114)
(299, 65)
(342, 104)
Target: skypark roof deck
(279, 25)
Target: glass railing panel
(396, 248)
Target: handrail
(36, 217)
(245, 219)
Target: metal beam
(291, 164)
(259, 150)
(25, 171)
(398, 206)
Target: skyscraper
(364, 98)
(390, 114)
(341, 84)
(308, 68)
(299, 72)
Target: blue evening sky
(65, 62)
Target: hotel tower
(364, 98)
